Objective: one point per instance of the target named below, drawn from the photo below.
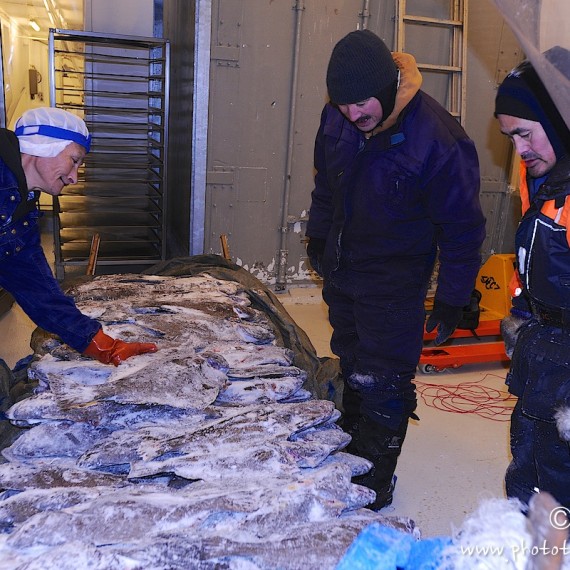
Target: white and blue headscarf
(46, 131)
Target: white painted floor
(450, 460)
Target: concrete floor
(15, 330)
(15, 326)
(450, 460)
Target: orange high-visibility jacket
(560, 215)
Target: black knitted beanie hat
(360, 67)
(522, 94)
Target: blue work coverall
(24, 269)
(386, 205)
(540, 367)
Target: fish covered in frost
(207, 454)
(178, 379)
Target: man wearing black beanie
(537, 333)
(397, 180)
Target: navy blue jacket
(386, 203)
(542, 244)
(24, 270)
(539, 370)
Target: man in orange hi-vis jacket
(537, 333)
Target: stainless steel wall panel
(253, 53)
(187, 27)
(251, 101)
(492, 52)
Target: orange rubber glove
(109, 350)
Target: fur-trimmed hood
(562, 417)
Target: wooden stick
(225, 247)
(93, 255)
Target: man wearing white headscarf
(44, 154)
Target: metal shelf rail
(120, 86)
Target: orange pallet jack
(484, 344)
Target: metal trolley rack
(120, 86)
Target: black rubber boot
(350, 419)
(382, 446)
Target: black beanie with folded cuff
(360, 67)
(522, 94)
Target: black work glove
(315, 251)
(471, 313)
(446, 318)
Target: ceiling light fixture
(48, 10)
(34, 25)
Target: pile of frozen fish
(206, 454)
